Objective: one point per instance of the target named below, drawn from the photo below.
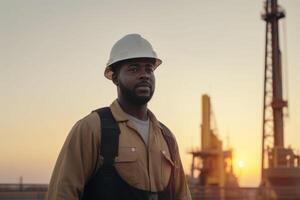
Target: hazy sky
(53, 54)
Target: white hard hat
(128, 47)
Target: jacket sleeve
(75, 164)
(182, 191)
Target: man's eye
(150, 69)
(133, 68)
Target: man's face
(136, 81)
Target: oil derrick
(280, 167)
(211, 162)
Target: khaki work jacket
(141, 166)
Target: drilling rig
(212, 163)
(280, 166)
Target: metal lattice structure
(280, 166)
(273, 101)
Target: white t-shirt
(141, 126)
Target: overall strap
(170, 140)
(108, 150)
(102, 183)
(109, 137)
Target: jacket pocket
(167, 157)
(166, 166)
(126, 165)
(126, 154)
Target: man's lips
(143, 85)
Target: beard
(132, 97)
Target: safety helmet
(129, 47)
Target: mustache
(143, 83)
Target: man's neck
(138, 111)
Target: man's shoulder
(167, 131)
(91, 120)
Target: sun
(240, 163)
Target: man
(146, 164)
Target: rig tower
(280, 166)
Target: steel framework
(273, 105)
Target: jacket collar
(121, 116)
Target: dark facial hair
(131, 96)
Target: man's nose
(144, 74)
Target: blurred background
(52, 59)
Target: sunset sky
(53, 54)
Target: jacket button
(133, 149)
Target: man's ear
(115, 79)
